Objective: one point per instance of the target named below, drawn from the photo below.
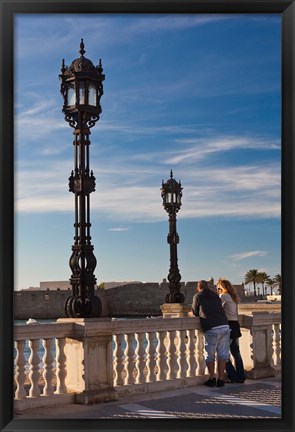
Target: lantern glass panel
(71, 95)
(174, 198)
(92, 95)
(169, 197)
(82, 93)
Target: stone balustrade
(157, 354)
(261, 344)
(32, 338)
(92, 360)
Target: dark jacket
(207, 305)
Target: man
(207, 305)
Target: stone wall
(134, 299)
(46, 304)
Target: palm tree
(252, 276)
(278, 282)
(263, 278)
(270, 283)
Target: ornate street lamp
(81, 88)
(171, 193)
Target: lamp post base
(76, 307)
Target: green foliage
(255, 277)
(270, 283)
(278, 282)
(252, 276)
(263, 278)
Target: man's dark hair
(203, 284)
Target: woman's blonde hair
(225, 284)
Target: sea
(27, 351)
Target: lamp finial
(63, 67)
(82, 51)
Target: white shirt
(229, 306)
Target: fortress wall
(46, 304)
(134, 299)
(39, 304)
(144, 299)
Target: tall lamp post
(171, 193)
(81, 88)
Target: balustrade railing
(40, 362)
(142, 355)
(157, 350)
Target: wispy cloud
(141, 137)
(204, 147)
(249, 254)
(125, 191)
(118, 229)
(128, 185)
(164, 23)
(41, 119)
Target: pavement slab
(259, 399)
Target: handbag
(235, 331)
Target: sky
(198, 94)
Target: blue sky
(198, 94)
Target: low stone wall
(249, 308)
(134, 299)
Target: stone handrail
(99, 359)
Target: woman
(230, 300)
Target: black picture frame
(7, 10)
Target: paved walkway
(258, 399)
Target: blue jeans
(217, 340)
(238, 372)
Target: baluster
(34, 361)
(115, 360)
(181, 357)
(140, 360)
(118, 360)
(161, 356)
(47, 366)
(200, 353)
(151, 361)
(172, 363)
(129, 356)
(61, 371)
(280, 343)
(192, 364)
(276, 344)
(20, 375)
(252, 354)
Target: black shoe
(240, 381)
(220, 383)
(211, 382)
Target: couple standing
(218, 314)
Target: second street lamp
(81, 88)
(171, 193)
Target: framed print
(114, 114)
